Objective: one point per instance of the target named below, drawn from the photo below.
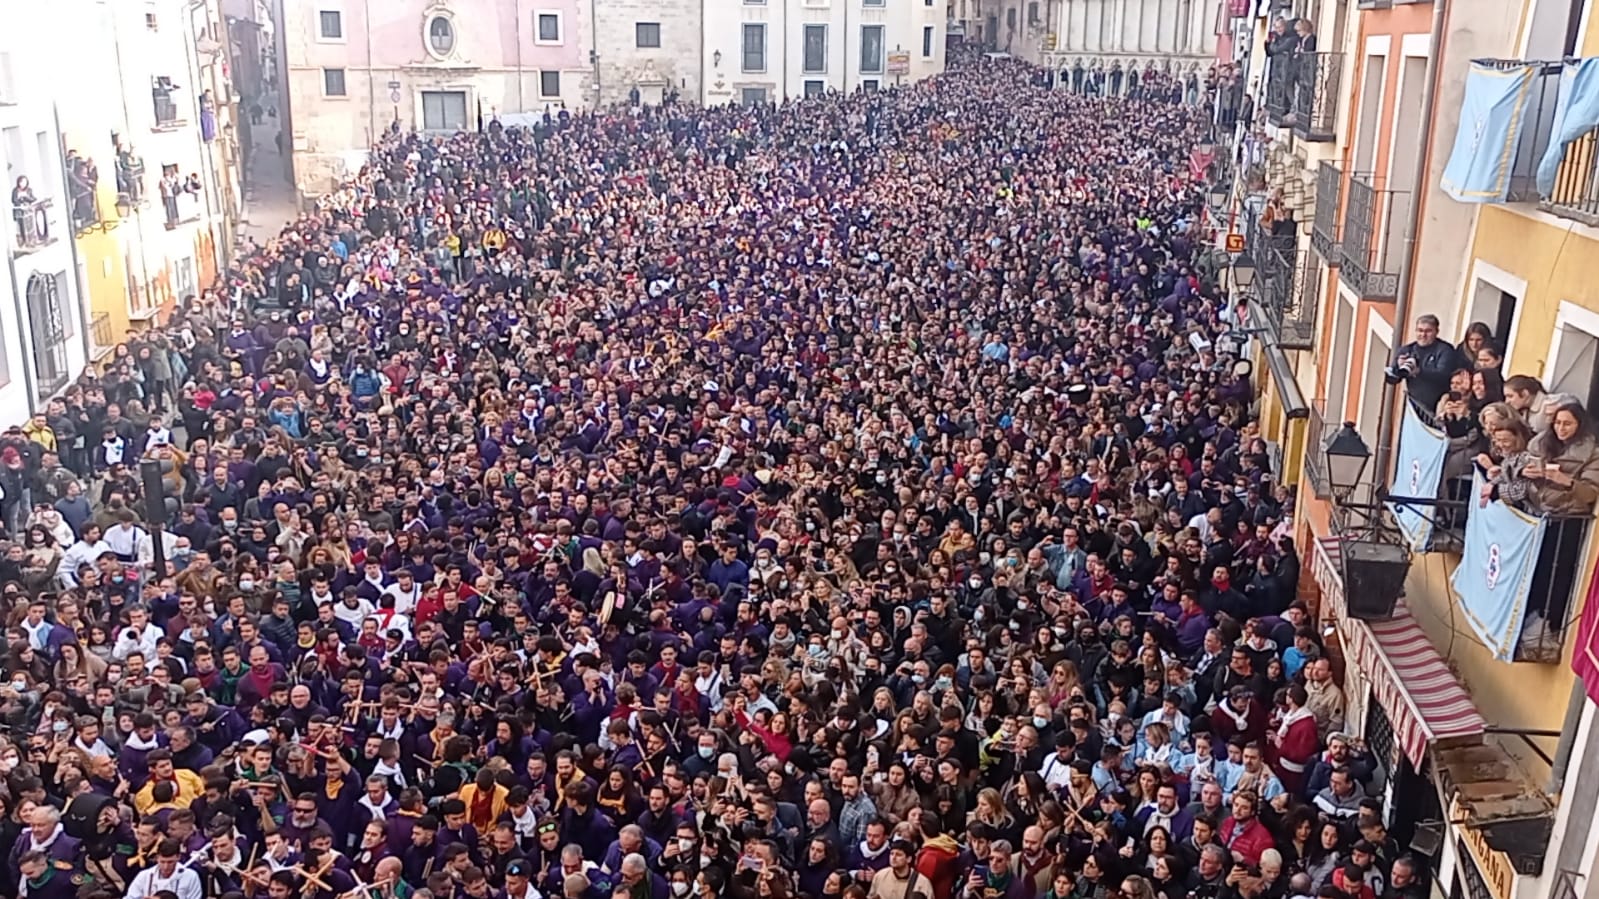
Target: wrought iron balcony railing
(1325, 228)
(100, 334)
(1313, 112)
(1317, 433)
(1373, 242)
(1287, 285)
(34, 225)
(1279, 88)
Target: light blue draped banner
(1421, 453)
(1491, 115)
(1495, 572)
(1576, 110)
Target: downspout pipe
(1568, 738)
(1407, 268)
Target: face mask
(942, 683)
(707, 751)
(975, 583)
(246, 584)
(685, 845)
(918, 678)
(680, 888)
(1021, 605)
(19, 685)
(1040, 722)
(60, 727)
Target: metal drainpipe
(1568, 738)
(1385, 420)
(72, 228)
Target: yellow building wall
(107, 277)
(1558, 263)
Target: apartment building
(1376, 183)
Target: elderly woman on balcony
(1504, 468)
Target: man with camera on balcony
(1424, 365)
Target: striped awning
(1406, 673)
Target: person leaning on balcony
(1526, 395)
(1565, 468)
(1504, 469)
(1424, 365)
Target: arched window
(441, 36)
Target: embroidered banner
(1495, 571)
(1491, 117)
(1421, 453)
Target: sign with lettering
(1235, 243)
(899, 62)
(1485, 872)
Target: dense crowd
(854, 498)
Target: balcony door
(47, 323)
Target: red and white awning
(1407, 675)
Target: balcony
(1576, 190)
(1550, 601)
(1317, 432)
(101, 339)
(34, 226)
(1373, 240)
(1286, 284)
(1302, 93)
(1325, 230)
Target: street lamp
(1347, 457)
(1219, 193)
(1244, 271)
(716, 59)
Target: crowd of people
(854, 498)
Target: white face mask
(679, 888)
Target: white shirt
(77, 554)
(355, 616)
(404, 603)
(1056, 773)
(125, 541)
(144, 642)
(183, 881)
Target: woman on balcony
(1564, 473)
(1566, 480)
(22, 201)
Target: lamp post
(1347, 457)
(1244, 271)
(1375, 559)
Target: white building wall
(903, 24)
(41, 348)
(654, 72)
(1137, 29)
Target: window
(753, 96)
(874, 2)
(151, 22)
(1010, 18)
(549, 28)
(443, 110)
(549, 84)
(815, 88)
(166, 108)
(754, 56)
(333, 83)
(8, 80)
(815, 48)
(647, 34)
(1032, 13)
(441, 36)
(927, 42)
(872, 49)
(185, 278)
(330, 25)
(870, 85)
